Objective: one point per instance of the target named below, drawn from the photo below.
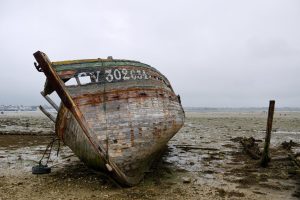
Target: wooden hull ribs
(115, 115)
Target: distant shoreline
(12, 108)
(240, 109)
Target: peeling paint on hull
(129, 109)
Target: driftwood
(251, 148)
(288, 145)
(294, 160)
(190, 147)
(285, 158)
(280, 158)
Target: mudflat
(203, 161)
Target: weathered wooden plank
(96, 65)
(50, 101)
(51, 117)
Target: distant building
(17, 108)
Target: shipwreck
(116, 115)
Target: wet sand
(203, 161)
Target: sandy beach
(203, 161)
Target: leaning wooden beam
(50, 101)
(266, 155)
(51, 117)
(294, 160)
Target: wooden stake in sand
(266, 156)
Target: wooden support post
(266, 154)
(50, 101)
(51, 117)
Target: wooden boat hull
(129, 120)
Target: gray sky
(215, 53)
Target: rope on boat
(43, 168)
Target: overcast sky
(230, 53)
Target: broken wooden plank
(51, 117)
(50, 101)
